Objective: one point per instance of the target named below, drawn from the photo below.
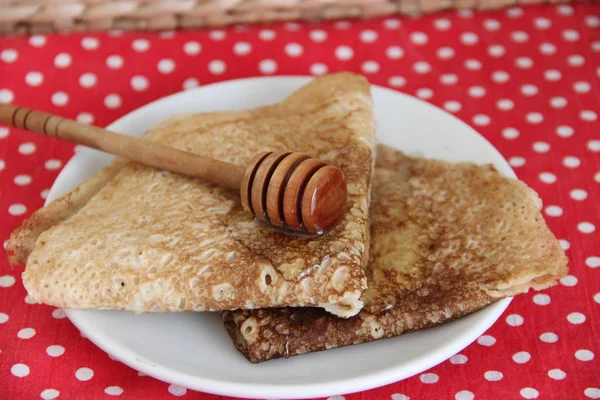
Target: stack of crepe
(422, 242)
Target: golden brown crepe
(136, 238)
(446, 240)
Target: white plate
(193, 350)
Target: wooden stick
(140, 150)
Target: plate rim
(350, 385)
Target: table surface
(528, 79)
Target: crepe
(446, 240)
(136, 238)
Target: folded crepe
(140, 239)
(446, 240)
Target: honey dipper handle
(140, 150)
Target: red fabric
(527, 79)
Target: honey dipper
(286, 189)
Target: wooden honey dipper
(286, 189)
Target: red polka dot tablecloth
(528, 79)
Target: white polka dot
(547, 48)
(242, 48)
(114, 61)
(564, 131)
(318, 35)
(472, 65)
(597, 177)
(190, 83)
(524, 62)
(22, 180)
(505, 104)
(60, 99)
(541, 147)
(568, 280)
(552, 75)
(534, 117)
(541, 299)
(140, 45)
(557, 374)
(4, 132)
(584, 355)
(84, 374)
(399, 396)
(62, 60)
(3, 318)
(34, 78)
(87, 80)
(397, 81)
(6, 96)
(2, 164)
(578, 194)
(529, 90)
(492, 25)
(192, 48)
(267, 66)
(486, 340)
(500, 77)
(445, 53)
(542, 23)
(113, 391)
(55, 350)
(166, 66)
(570, 35)
(464, 395)
(465, 13)
(469, 38)
(344, 53)
(17, 209)
(429, 378)
(553, 211)
(481, 120)
(7, 280)
(592, 393)
(517, 161)
(177, 390)
(576, 60)
(558, 102)
(419, 38)
(85, 118)
(90, 43)
(448, 79)
(49, 394)
(581, 87)
(496, 50)
(586, 227)
(392, 23)
(370, 67)
(452, 106)
(519, 36)
(549, 337)
(588, 115)
(216, 67)
(37, 40)
(592, 21)
(476, 91)
(139, 83)
(112, 101)
(564, 9)
(368, 36)
(493, 376)
(514, 12)
(394, 52)
(29, 300)
(571, 162)
(514, 320)
(19, 370)
(576, 318)
(9, 55)
(521, 357)
(592, 262)
(52, 164)
(26, 333)
(442, 24)
(425, 93)
(266, 34)
(529, 393)
(564, 244)
(318, 69)
(118, 32)
(459, 359)
(293, 49)
(59, 313)
(218, 34)
(27, 148)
